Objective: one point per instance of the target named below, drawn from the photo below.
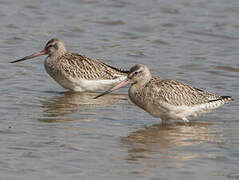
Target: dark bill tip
(121, 84)
(40, 53)
(18, 60)
(102, 94)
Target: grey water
(47, 132)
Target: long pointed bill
(39, 53)
(121, 84)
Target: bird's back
(80, 73)
(83, 67)
(177, 93)
(170, 99)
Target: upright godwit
(77, 72)
(167, 99)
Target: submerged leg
(164, 121)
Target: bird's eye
(137, 72)
(50, 45)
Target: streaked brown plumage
(77, 72)
(167, 99)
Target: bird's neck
(56, 55)
(144, 81)
(139, 85)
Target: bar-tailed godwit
(167, 99)
(77, 72)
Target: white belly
(183, 112)
(80, 85)
(83, 85)
(94, 85)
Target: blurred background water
(49, 133)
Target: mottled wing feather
(79, 66)
(176, 93)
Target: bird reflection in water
(60, 108)
(166, 142)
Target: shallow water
(49, 133)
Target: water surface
(49, 133)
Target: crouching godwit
(167, 99)
(77, 72)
